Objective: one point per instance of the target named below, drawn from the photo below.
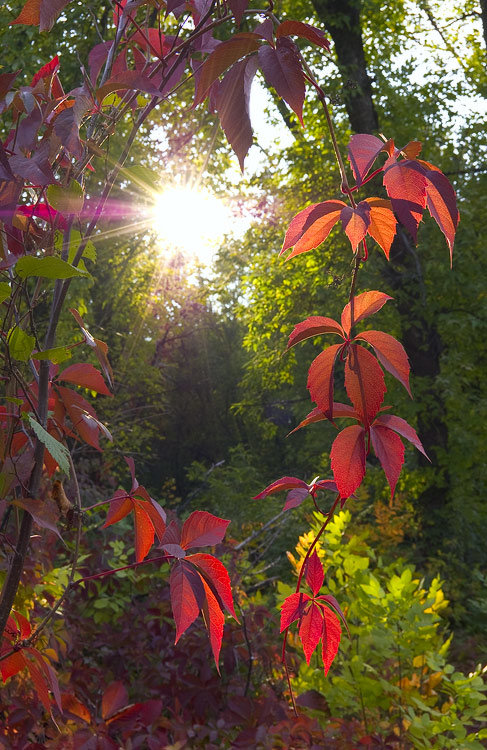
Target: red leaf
(120, 507)
(73, 706)
(311, 227)
(311, 630)
(389, 449)
(144, 531)
(390, 353)
(363, 150)
(285, 483)
(49, 675)
(114, 698)
(355, 222)
(24, 625)
(202, 529)
(43, 513)
(40, 684)
(282, 70)
(222, 58)
(364, 382)
(441, 201)
(295, 498)
(6, 81)
(86, 376)
(292, 609)
(216, 576)
(77, 407)
(334, 604)
(400, 426)
(320, 379)
(304, 30)
(153, 510)
(326, 484)
(129, 79)
(187, 596)
(364, 304)
(233, 106)
(238, 8)
(214, 620)
(330, 639)
(314, 326)
(314, 573)
(412, 149)
(383, 223)
(47, 70)
(405, 184)
(50, 11)
(100, 348)
(316, 415)
(12, 665)
(348, 459)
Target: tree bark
(342, 20)
(483, 14)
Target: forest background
(204, 401)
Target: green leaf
(56, 356)
(5, 291)
(74, 243)
(66, 200)
(58, 451)
(143, 177)
(20, 344)
(51, 267)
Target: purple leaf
(282, 70)
(233, 106)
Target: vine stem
(298, 585)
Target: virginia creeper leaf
(400, 426)
(331, 638)
(383, 223)
(332, 602)
(390, 353)
(216, 576)
(304, 30)
(144, 531)
(12, 664)
(129, 79)
(282, 70)
(314, 573)
(406, 184)
(202, 529)
(363, 150)
(311, 630)
(295, 498)
(314, 326)
(389, 449)
(187, 596)
(86, 376)
(364, 382)
(78, 408)
(222, 58)
(355, 222)
(50, 267)
(320, 379)
(316, 415)
(348, 459)
(114, 698)
(292, 609)
(311, 227)
(233, 106)
(285, 483)
(364, 304)
(214, 620)
(43, 514)
(442, 204)
(120, 506)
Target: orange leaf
(214, 620)
(320, 379)
(355, 222)
(383, 223)
(30, 14)
(364, 304)
(364, 382)
(348, 459)
(311, 227)
(314, 326)
(144, 531)
(390, 353)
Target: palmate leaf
(348, 459)
(364, 305)
(226, 54)
(364, 382)
(390, 353)
(389, 449)
(283, 71)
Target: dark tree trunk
(483, 13)
(341, 18)
(403, 273)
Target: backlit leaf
(363, 150)
(131, 80)
(12, 664)
(389, 449)
(285, 483)
(20, 344)
(43, 513)
(226, 54)
(314, 573)
(66, 200)
(202, 529)
(292, 609)
(216, 576)
(383, 223)
(56, 355)
(114, 698)
(330, 639)
(314, 326)
(316, 415)
(144, 532)
(304, 30)
(364, 382)
(283, 71)
(214, 620)
(442, 204)
(364, 304)
(294, 498)
(332, 602)
(120, 506)
(232, 105)
(405, 184)
(50, 267)
(320, 379)
(348, 459)
(311, 227)
(187, 596)
(355, 222)
(311, 630)
(390, 353)
(58, 451)
(86, 376)
(400, 426)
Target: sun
(192, 220)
